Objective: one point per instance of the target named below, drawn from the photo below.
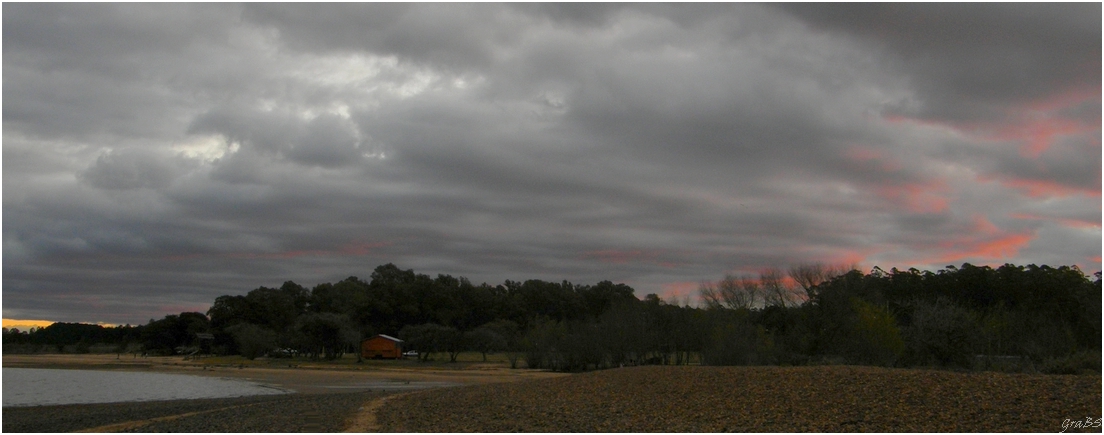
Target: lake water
(27, 387)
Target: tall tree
(327, 334)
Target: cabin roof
(387, 337)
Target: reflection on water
(26, 387)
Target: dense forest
(1019, 318)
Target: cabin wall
(380, 348)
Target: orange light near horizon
(23, 323)
(27, 324)
(679, 290)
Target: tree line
(972, 317)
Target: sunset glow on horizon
(25, 324)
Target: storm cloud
(158, 156)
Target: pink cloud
(998, 248)
(1035, 124)
(1068, 98)
(1073, 223)
(849, 258)
(1003, 247)
(982, 242)
(983, 226)
(1039, 135)
(1034, 127)
(1039, 123)
(926, 197)
(1041, 188)
(872, 156)
(679, 290)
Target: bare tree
(710, 298)
(771, 288)
(810, 275)
(742, 292)
(730, 292)
(776, 291)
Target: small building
(381, 346)
(203, 345)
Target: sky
(157, 156)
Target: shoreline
(334, 412)
(323, 397)
(298, 375)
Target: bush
(1004, 363)
(253, 341)
(734, 343)
(543, 343)
(941, 333)
(878, 340)
(1075, 364)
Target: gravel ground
(284, 413)
(754, 399)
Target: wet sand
(284, 413)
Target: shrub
(734, 343)
(941, 333)
(1074, 364)
(253, 341)
(878, 338)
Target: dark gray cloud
(969, 60)
(135, 168)
(158, 156)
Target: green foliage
(625, 331)
(326, 334)
(432, 338)
(1073, 364)
(511, 338)
(252, 340)
(165, 336)
(735, 340)
(485, 340)
(1038, 315)
(942, 333)
(877, 338)
(63, 337)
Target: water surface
(27, 387)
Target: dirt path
(365, 420)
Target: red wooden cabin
(381, 346)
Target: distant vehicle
(411, 353)
(282, 353)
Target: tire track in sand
(365, 420)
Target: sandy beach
(327, 397)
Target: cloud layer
(158, 156)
